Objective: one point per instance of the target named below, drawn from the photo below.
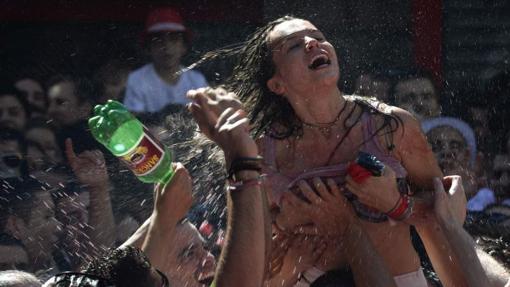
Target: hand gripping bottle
(129, 140)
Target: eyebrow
(281, 41)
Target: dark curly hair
(124, 267)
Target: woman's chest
(293, 157)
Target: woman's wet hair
(271, 113)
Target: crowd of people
(268, 192)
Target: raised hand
(88, 166)
(220, 117)
(449, 206)
(173, 200)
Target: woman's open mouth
(318, 62)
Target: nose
(310, 43)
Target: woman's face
(303, 59)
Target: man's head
(28, 214)
(70, 99)
(34, 93)
(17, 278)
(12, 151)
(166, 37)
(374, 85)
(43, 150)
(191, 264)
(500, 181)
(416, 93)
(453, 142)
(111, 79)
(14, 110)
(121, 267)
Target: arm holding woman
(243, 259)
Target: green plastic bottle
(129, 140)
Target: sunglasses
(79, 279)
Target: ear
(274, 85)
(14, 226)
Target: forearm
(242, 259)
(463, 247)
(137, 239)
(158, 241)
(102, 231)
(443, 259)
(367, 266)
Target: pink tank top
(281, 183)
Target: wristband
(244, 163)
(402, 209)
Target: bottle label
(145, 156)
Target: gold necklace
(326, 128)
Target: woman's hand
(380, 192)
(220, 117)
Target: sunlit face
(40, 232)
(33, 91)
(500, 181)
(303, 58)
(12, 113)
(418, 97)
(167, 49)
(47, 140)
(192, 265)
(450, 148)
(64, 106)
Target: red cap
(165, 19)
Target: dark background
(461, 42)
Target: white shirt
(147, 92)
(481, 200)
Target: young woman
(307, 129)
